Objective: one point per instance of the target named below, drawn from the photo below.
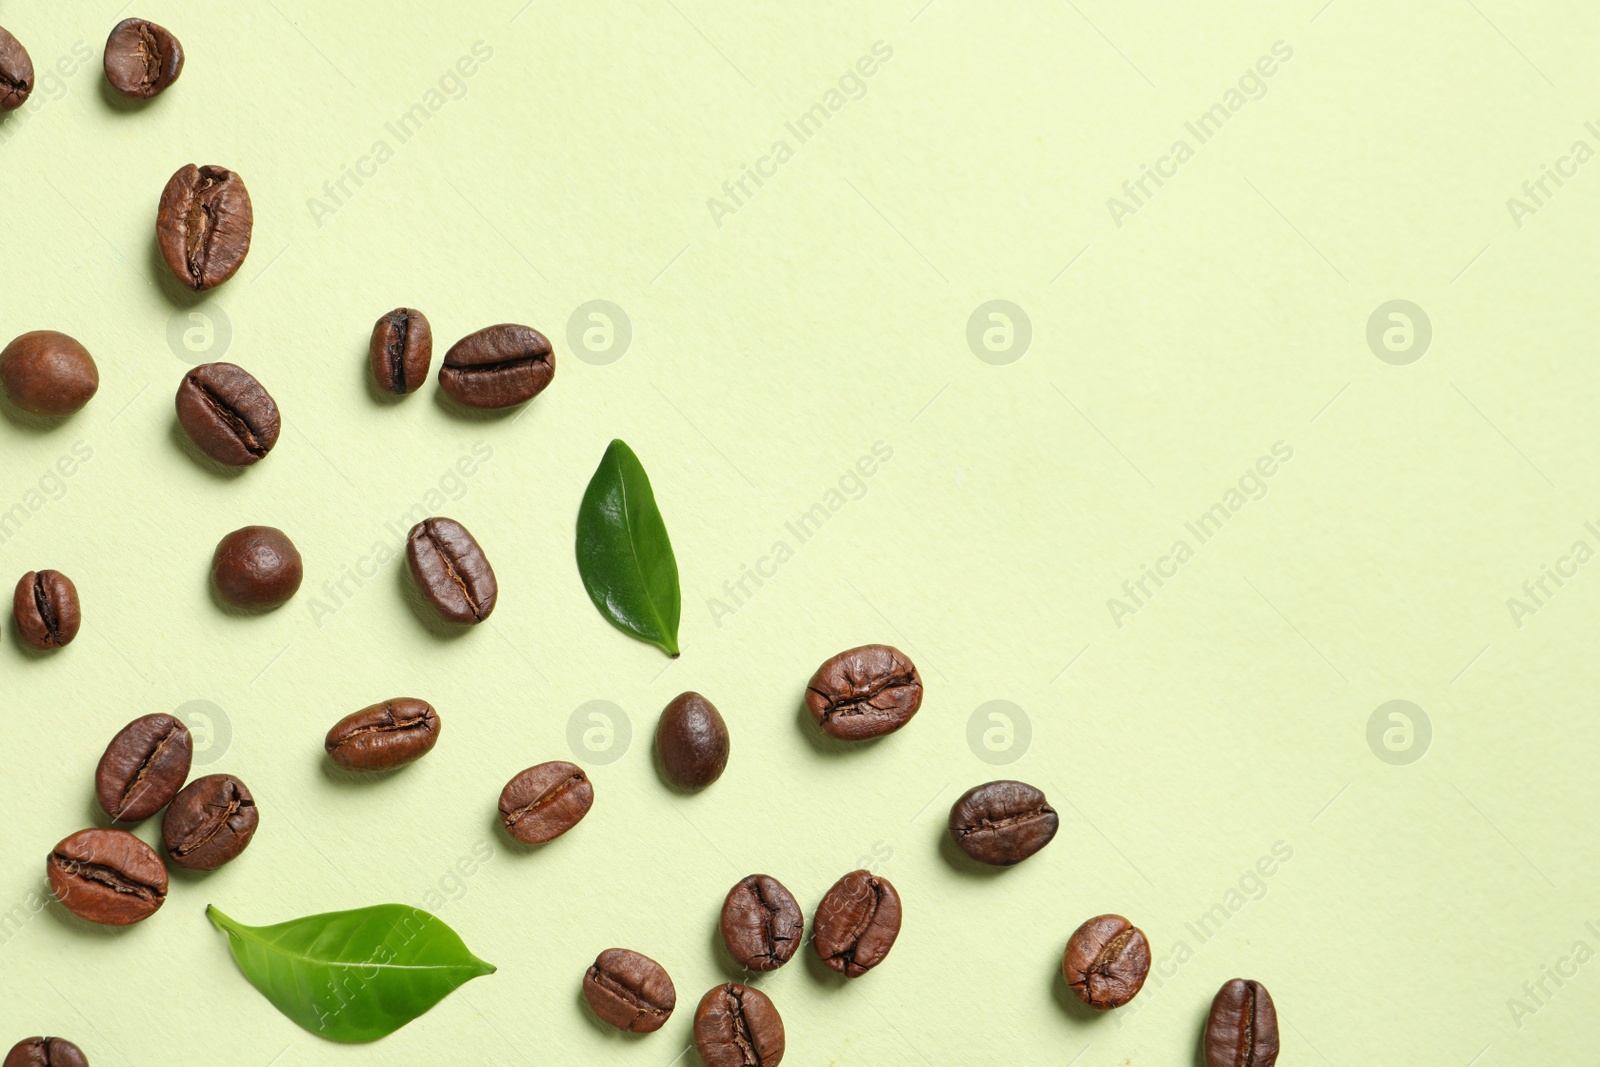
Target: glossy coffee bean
(16, 72)
(256, 568)
(45, 606)
(1242, 1029)
(856, 923)
(143, 768)
(629, 990)
(864, 692)
(401, 350)
(45, 1052)
(546, 801)
(48, 373)
(228, 414)
(390, 734)
(203, 225)
(107, 876)
(761, 923)
(736, 1026)
(498, 367)
(451, 571)
(142, 59)
(1002, 823)
(209, 822)
(692, 742)
(1106, 962)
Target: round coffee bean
(865, 692)
(45, 606)
(629, 990)
(142, 58)
(16, 72)
(1106, 961)
(107, 876)
(736, 1026)
(256, 568)
(48, 373)
(451, 571)
(1242, 1029)
(546, 801)
(228, 414)
(692, 741)
(209, 822)
(401, 350)
(203, 225)
(143, 768)
(856, 923)
(761, 923)
(1002, 823)
(498, 367)
(45, 1052)
(390, 734)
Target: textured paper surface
(1210, 728)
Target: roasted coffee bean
(629, 990)
(45, 1052)
(546, 801)
(256, 568)
(865, 692)
(143, 768)
(385, 735)
(736, 1026)
(16, 72)
(209, 822)
(107, 876)
(203, 225)
(401, 350)
(856, 923)
(1106, 961)
(761, 923)
(1002, 823)
(1242, 1029)
(142, 58)
(498, 367)
(45, 606)
(692, 741)
(451, 571)
(48, 373)
(228, 414)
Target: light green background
(1226, 717)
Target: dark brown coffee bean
(451, 571)
(143, 768)
(1002, 823)
(45, 1052)
(107, 876)
(865, 692)
(142, 58)
(498, 367)
(209, 822)
(1242, 1029)
(1106, 961)
(45, 606)
(692, 741)
(48, 373)
(228, 414)
(16, 72)
(256, 568)
(736, 1026)
(629, 990)
(385, 735)
(401, 350)
(546, 801)
(761, 923)
(203, 225)
(856, 923)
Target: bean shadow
(962, 863)
(81, 927)
(126, 105)
(830, 979)
(450, 407)
(440, 628)
(519, 848)
(39, 424)
(824, 745)
(343, 776)
(176, 292)
(183, 443)
(1075, 1009)
(602, 1027)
